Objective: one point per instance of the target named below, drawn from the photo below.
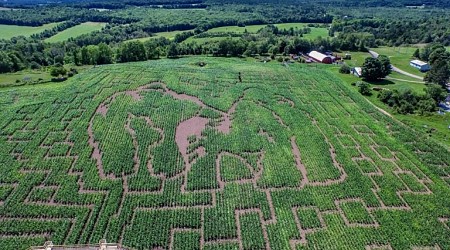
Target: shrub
(364, 88)
(345, 69)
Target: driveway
(375, 55)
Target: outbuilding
(357, 71)
(319, 57)
(422, 66)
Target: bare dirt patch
(192, 126)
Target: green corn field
(169, 155)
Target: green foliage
(386, 68)
(356, 212)
(344, 69)
(172, 51)
(374, 69)
(408, 102)
(364, 88)
(56, 71)
(436, 92)
(308, 218)
(308, 162)
(131, 52)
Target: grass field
(315, 32)
(400, 57)
(169, 35)
(23, 78)
(75, 31)
(10, 31)
(421, 123)
(169, 155)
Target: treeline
(38, 16)
(408, 102)
(390, 32)
(20, 53)
(345, 3)
(145, 21)
(106, 4)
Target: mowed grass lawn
(10, 31)
(315, 32)
(400, 57)
(23, 77)
(169, 35)
(419, 123)
(75, 31)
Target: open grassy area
(32, 77)
(10, 31)
(75, 31)
(420, 123)
(203, 40)
(358, 58)
(315, 32)
(234, 154)
(23, 78)
(169, 35)
(400, 57)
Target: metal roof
(317, 55)
(419, 63)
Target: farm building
(422, 66)
(357, 71)
(319, 57)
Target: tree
(17, 63)
(105, 55)
(252, 49)
(405, 107)
(416, 53)
(6, 65)
(364, 89)
(439, 73)
(386, 67)
(345, 69)
(85, 58)
(388, 96)
(57, 70)
(172, 51)
(436, 93)
(131, 52)
(152, 49)
(425, 106)
(372, 69)
(440, 66)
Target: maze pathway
(166, 155)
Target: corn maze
(169, 155)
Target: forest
(225, 124)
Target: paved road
(375, 55)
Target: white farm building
(422, 66)
(357, 71)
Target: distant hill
(346, 3)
